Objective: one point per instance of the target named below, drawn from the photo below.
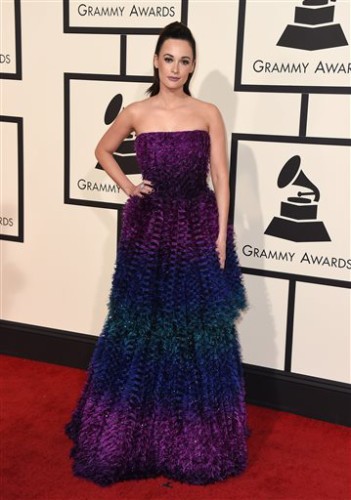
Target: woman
(165, 391)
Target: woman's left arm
(219, 176)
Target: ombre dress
(165, 394)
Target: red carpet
(291, 457)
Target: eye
(185, 62)
(168, 59)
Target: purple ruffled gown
(164, 393)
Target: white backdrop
(62, 67)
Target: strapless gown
(164, 393)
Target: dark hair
(177, 31)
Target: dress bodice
(177, 163)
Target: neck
(171, 98)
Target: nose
(175, 67)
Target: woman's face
(174, 63)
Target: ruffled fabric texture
(165, 391)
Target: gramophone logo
(314, 27)
(298, 215)
(125, 154)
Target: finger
(145, 184)
(144, 192)
(222, 261)
(146, 181)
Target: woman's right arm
(108, 144)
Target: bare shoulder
(205, 106)
(208, 110)
(138, 107)
(134, 112)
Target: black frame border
(68, 77)
(236, 138)
(240, 86)
(67, 28)
(20, 190)
(18, 42)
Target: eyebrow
(183, 57)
